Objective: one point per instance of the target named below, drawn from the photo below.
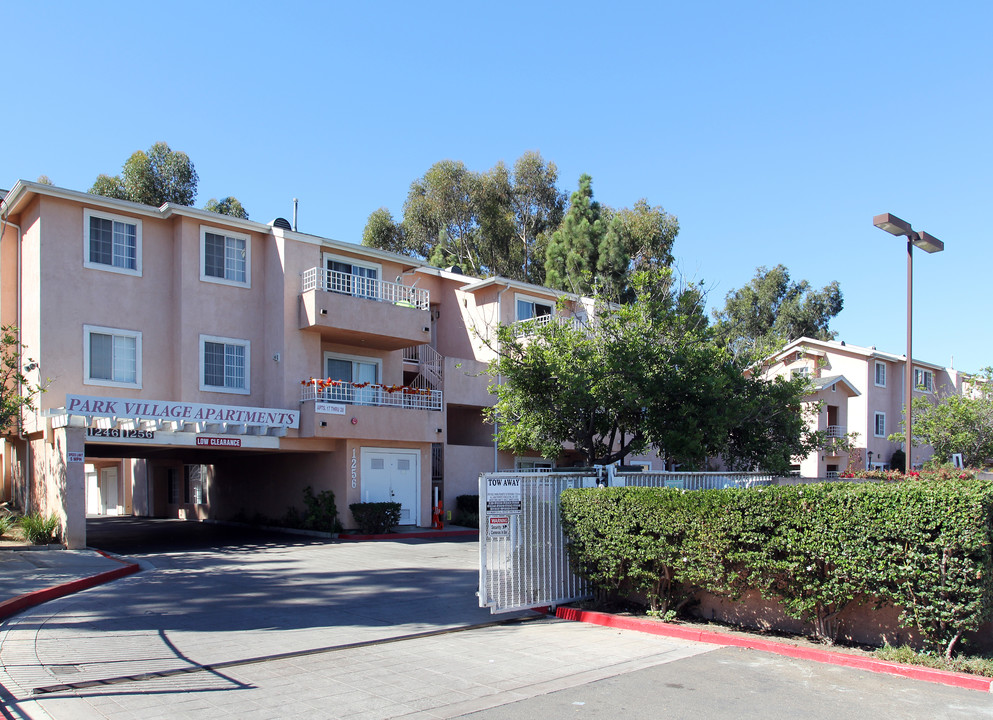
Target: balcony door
(353, 370)
(350, 278)
(832, 413)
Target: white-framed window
(225, 257)
(531, 464)
(111, 357)
(111, 242)
(880, 374)
(349, 276)
(225, 365)
(924, 380)
(353, 369)
(532, 307)
(803, 372)
(879, 424)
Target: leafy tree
(957, 423)
(495, 222)
(499, 254)
(771, 310)
(16, 391)
(155, 177)
(642, 374)
(383, 233)
(602, 247)
(446, 199)
(44, 180)
(537, 207)
(108, 186)
(647, 234)
(227, 206)
(573, 256)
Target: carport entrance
(139, 536)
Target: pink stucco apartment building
(184, 351)
(860, 390)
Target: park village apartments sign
(181, 412)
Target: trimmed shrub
(467, 504)
(466, 511)
(376, 518)
(926, 547)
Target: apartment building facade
(202, 366)
(859, 390)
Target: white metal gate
(523, 561)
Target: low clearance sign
(180, 411)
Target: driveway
(133, 536)
(382, 629)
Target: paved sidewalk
(27, 571)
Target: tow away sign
(503, 495)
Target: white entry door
(92, 493)
(108, 491)
(392, 476)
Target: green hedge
(925, 547)
(376, 518)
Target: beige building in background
(187, 356)
(860, 390)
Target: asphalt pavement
(259, 628)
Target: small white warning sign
(498, 526)
(74, 457)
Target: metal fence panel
(523, 559)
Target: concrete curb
(31, 599)
(426, 535)
(914, 672)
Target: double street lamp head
(895, 226)
(930, 244)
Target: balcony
(371, 412)
(342, 392)
(524, 328)
(835, 431)
(355, 310)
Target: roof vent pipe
(296, 203)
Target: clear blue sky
(773, 130)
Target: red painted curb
(915, 672)
(23, 602)
(427, 535)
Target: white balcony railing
(523, 328)
(364, 287)
(835, 431)
(374, 394)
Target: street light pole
(930, 244)
(908, 372)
